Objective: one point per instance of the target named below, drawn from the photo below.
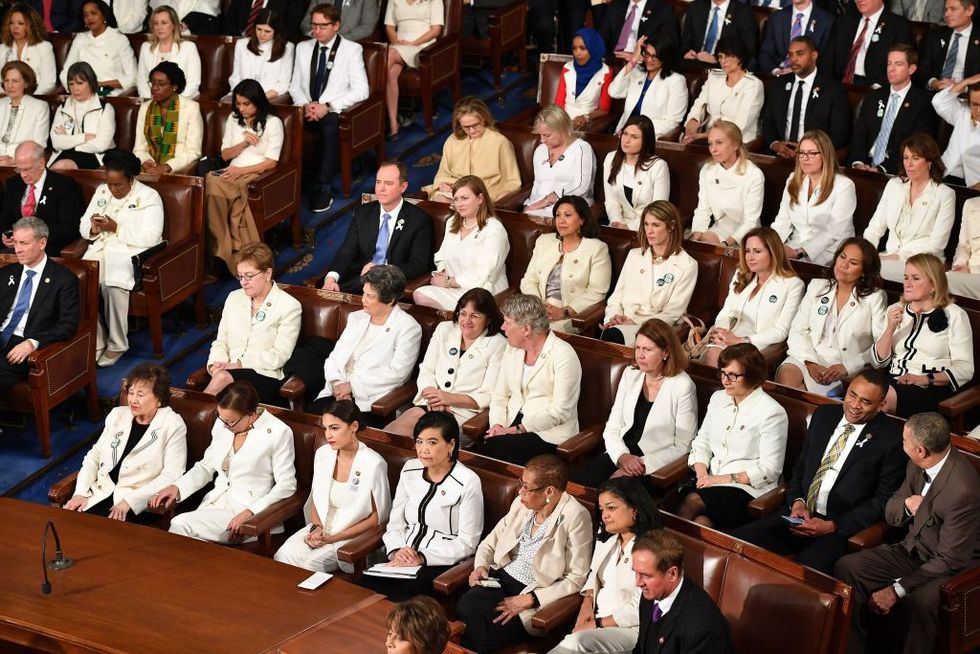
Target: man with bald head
(36, 191)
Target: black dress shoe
(322, 202)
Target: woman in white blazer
(123, 219)
(657, 279)
(731, 94)
(437, 515)
(837, 324)
(130, 15)
(160, 150)
(378, 348)
(740, 448)
(473, 252)
(164, 44)
(964, 277)
(563, 163)
(142, 449)
(25, 39)
(538, 553)
(266, 56)
(570, 269)
(654, 415)
(608, 620)
(84, 126)
(534, 407)
(460, 367)
(22, 116)
(731, 189)
(816, 213)
(583, 87)
(259, 326)
(349, 494)
(633, 176)
(651, 86)
(105, 49)
(251, 462)
(762, 300)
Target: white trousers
(116, 302)
(612, 640)
(296, 552)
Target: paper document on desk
(394, 572)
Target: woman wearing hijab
(589, 77)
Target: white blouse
(268, 147)
(817, 228)
(40, 57)
(109, 54)
(740, 104)
(272, 75)
(962, 155)
(729, 203)
(572, 174)
(184, 54)
(476, 260)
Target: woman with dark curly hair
(24, 39)
(105, 48)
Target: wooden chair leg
(379, 151)
(92, 398)
(346, 170)
(200, 310)
(42, 420)
(498, 66)
(522, 58)
(297, 229)
(155, 318)
(428, 110)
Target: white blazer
(648, 185)
(263, 342)
(664, 103)
(93, 116)
(272, 75)
(40, 57)
(639, 296)
(740, 104)
(190, 135)
(387, 364)
(109, 55)
(670, 425)
(260, 474)
(479, 260)
(588, 100)
(734, 201)
(549, 397)
(817, 228)
(963, 152)
(925, 227)
(859, 324)
(585, 273)
(157, 461)
(32, 123)
(348, 83)
(130, 15)
(778, 301)
(184, 54)
(968, 247)
(749, 437)
(618, 583)
(473, 373)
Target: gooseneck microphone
(59, 562)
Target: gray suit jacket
(906, 8)
(358, 18)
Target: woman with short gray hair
(534, 407)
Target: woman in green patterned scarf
(169, 128)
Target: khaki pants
(230, 222)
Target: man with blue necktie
(709, 21)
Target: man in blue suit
(802, 18)
(62, 16)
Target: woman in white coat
(142, 449)
(104, 48)
(654, 415)
(266, 56)
(24, 39)
(124, 218)
(22, 116)
(838, 323)
(570, 269)
(651, 86)
(84, 126)
(657, 279)
(817, 210)
(731, 94)
(460, 367)
(130, 15)
(633, 175)
(164, 44)
(563, 163)
(169, 127)
(473, 252)
(251, 462)
(349, 494)
(763, 297)
(964, 278)
(259, 326)
(583, 86)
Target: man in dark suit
(59, 15)
(802, 19)
(676, 615)
(38, 301)
(649, 17)
(950, 53)
(850, 465)
(859, 49)
(705, 25)
(290, 14)
(891, 114)
(939, 503)
(476, 13)
(389, 231)
(54, 198)
(822, 104)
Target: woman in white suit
(651, 86)
(24, 39)
(22, 116)
(142, 449)
(817, 210)
(739, 450)
(378, 348)
(460, 367)
(104, 48)
(654, 415)
(251, 462)
(266, 56)
(564, 164)
(349, 494)
(916, 208)
(633, 175)
(165, 45)
(169, 127)
(731, 94)
(657, 279)
(763, 297)
(570, 269)
(84, 126)
(473, 252)
(259, 326)
(534, 407)
(837, 324)
(964, 277)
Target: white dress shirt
(830, 477)
(962, 155)
(868, 35)
(807, 88)
(634, 28)
(722, 12)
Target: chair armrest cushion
(868, 537)
(961, 402)
(357, 549)
(198, 380)
(514, 201)
(671, 474)
(478, 425)
(390, 402)
(967, 581)
(293, 389)
(557, 614)
(62, 490)
(273, 515)
(75, 249)
(586, 320)
(581, 444)
(768, 502)
(454, 578)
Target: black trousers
(267, 387)
(399, 590)
(11, 374)
(594, 471)
(773, 533)
(201, 23)
(103, 508)
(477, 609)
(541, 24)
(307, 363)
(613, 335)
(517, 448)
(328, 131)
(571, 18)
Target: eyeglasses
(231, 425)
(646, 54)
(524, 489)
(475, 315)
(808, 154)
(247, 277)
(730, 376)
(322, 26)
(472, 127)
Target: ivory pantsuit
(184, 54)
(967, 284)
(765, 319)
(94, 116)
(740, 104)
(109, 54)
(474, 261)
(729, 202)
(664, 102)
(32, 122)
(272, 75)
(817, 228)
(647, 186)
(40, 57)
(571, 174)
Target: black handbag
(138, 260)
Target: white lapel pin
(43, 200)
(47, 280)
(11, 281)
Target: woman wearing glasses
(258, 330)
(739, 450)
(817, 210)
(651, 85)
(731, 94)
(250, 460)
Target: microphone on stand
(59, 562)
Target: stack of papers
(394, 572)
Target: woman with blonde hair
(165, 44)
(475, 148)
(563, 163)
(657, 279)
(25, 39)
(731, 189)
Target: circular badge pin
(825, 300)
(772, 299)
(669, 277)
(823, 311)
(453, 351)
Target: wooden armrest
(413, 285)
(293, 389)
(673, 135)
(671, 474)
(963, 583)
(454, 578)
(768, 502)
(587, 320)
(581, 444)
(557, 614)
(198, 380)
(357, 549)
(477, 426)
(868, 537)
(273, 515)
(775, 354)
(62, 490)
(391, 401)
(283, 169)
(75, 249)
(514, 201)
(961, 402)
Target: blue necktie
(709, 40)
(381, 247)
(20, 308)
(321, 71)
(639, 103)
(881, 143)
(950, 63)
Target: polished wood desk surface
(139, 589)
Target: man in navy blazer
(654, 16)
(938, 44)
(882, 30)
(66, 15)
(851, 495)
(738, 22)
(814, 22)
(290, 14)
